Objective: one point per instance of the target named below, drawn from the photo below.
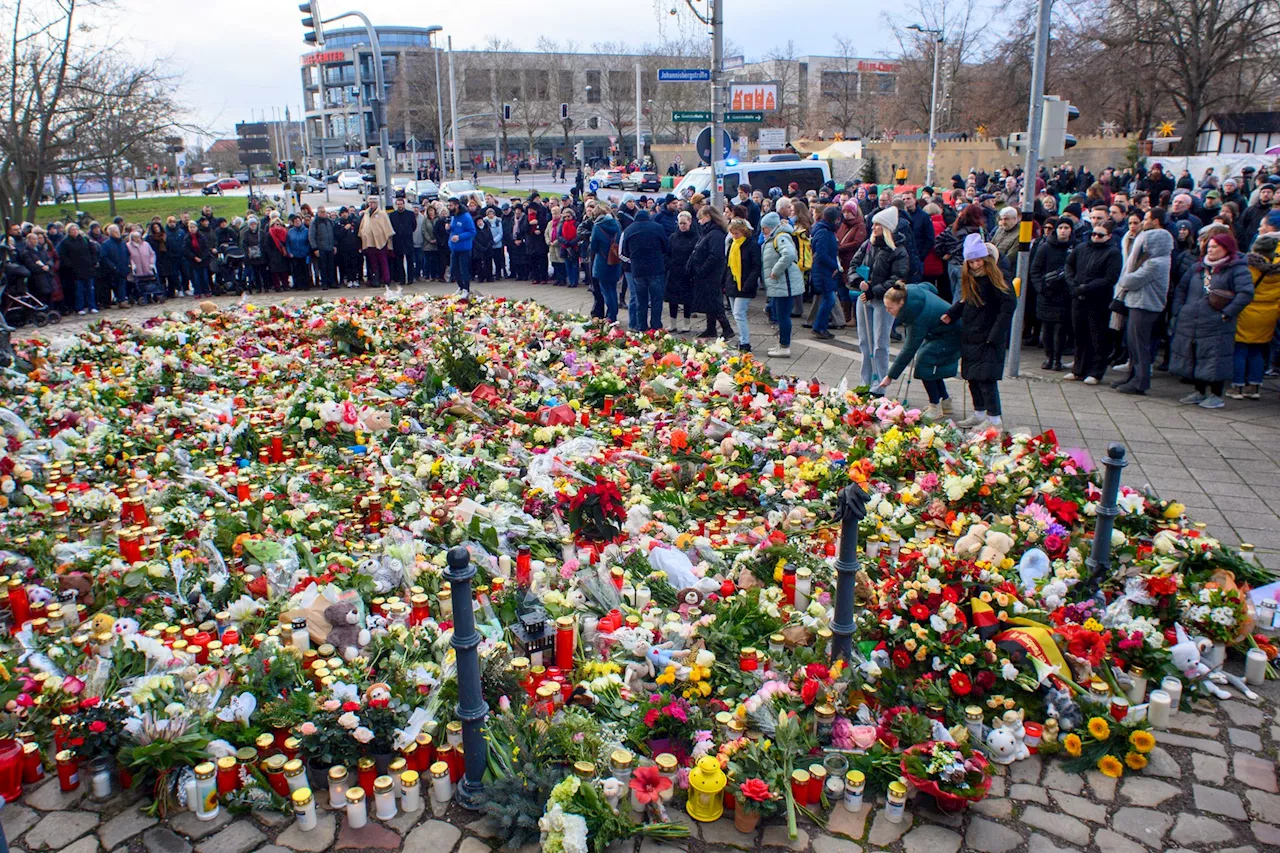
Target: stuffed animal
(1005, 746)
(1185, 656)
(346, 635)
(102, 624)
(985, 544)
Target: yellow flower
(1099, 729)
(1142, 741)
(668, 676)
(1111, 766)
(1092, 625)
(1135, 760)
(1071, 743)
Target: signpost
(703, 145)
(684, 75)
(593, 186)
(254, 145)
(730, 63)
(698, 116)
(773, 137)
(744, 118)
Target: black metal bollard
(1099, 560)
(471, 710)
(851, 509)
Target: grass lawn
(504, 192)
(141, 210)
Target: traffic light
(282, 171)
(1054, 139)
(369, 168)
(506, 112)
(1016, 142)
(564, 112)
(313, 33)
(293, 167)
(580, 152)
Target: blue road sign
(683, 75)
(593, 185)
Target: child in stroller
(19, 303)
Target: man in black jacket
(1253, 215)
(645, 246)
(1093, 268)
(324, 247)
(404, 267)
(79, 255)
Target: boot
(709, 332)
(688, 325)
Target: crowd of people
(1130, 271)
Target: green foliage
(517, 801)
(911, 728)
(457, 359)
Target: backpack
(804, 250)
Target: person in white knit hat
(876, 267)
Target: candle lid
(365, 763)
(621, 757)
(293, 766)
(897, 789)
(855, 777)
(227, 762)
(301, 797)
(337, 773)
(203, 770)
(382, 784)
(666, 762)
(409, 778)
(275, 764)
(439, 770)
(800, 776)
(246, 753)
(355, 795)
(454, 727)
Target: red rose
(809, 691)
(960, 684)
(986, 679)
(98, 727)
(351, 706)
(756, 790)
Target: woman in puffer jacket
(1143, 286)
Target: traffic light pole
(1029, 171)
(717, 95)
(379, 102)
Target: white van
(761, 175)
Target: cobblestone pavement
(1211, 784)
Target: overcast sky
(238, 58)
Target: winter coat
(603, 234)
(483, 240)
(933, 344)
(706, 270)
(442, 232)
(886, 267)
(850, 238)
(1257, 322)
(1006, 241)
(176, 240)
(669, 221)
(1049, 279)
(79, 255)
(645, 246)
(985, 334)
(347, 239)
(41, 281)
(298, 242)
(1092, 273)
(375, 230)
(277, 255)
(427, 234)
(922, 233)
(931, 264)
(824, 275)
(1247, 224)
(463, 227)
(752, 263)
(951, 242)
(782, 276)
(254, 238)
(679, 285)
(115, 256)
(403, 224)
(1204, 339)
(321, 235)
(1145, 281)
(142, 260)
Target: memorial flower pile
(227, 533)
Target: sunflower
(1111, 766)
(1099, 729)
(1142, 741)
(1072, 744)
(1135, 760)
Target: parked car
(462, 190)
(241, 176)
(350, 179)
(642, 181)
(216, 187)
(426, 190)
(608, 177)
(309, 184)
(399, 186)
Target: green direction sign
(690, 116)
(752, 117)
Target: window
(594, 87)
(839, 84)
(537, 85)
(564, 84)
(509, 85)
(622, 84)
(886, 84)
(731, 185)
(477, 85)
(808, 177)
(593, 123)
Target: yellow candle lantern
(707, 782)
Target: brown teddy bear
(346, 635)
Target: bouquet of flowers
(1109, 745)
(953, 774)
(596, 511)
(578, 814)
(1215, 611)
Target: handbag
(1220, 299)
(1118, 307)
(253, 253)
(614, 257)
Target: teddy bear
(346, 635)
(989, 546)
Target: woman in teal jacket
(934, 345)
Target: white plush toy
(989, 546)
(1186, 657)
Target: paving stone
(999, 807)
(124, 826)
(997, 788)
(1266, 833)
(192, 827)
(1198, 724)
(239, 837)
(1265, 806)
(405, 821)
(722, 832)
(1142, 825)
(987, 836)
(49, 797)
(1102, 785)
(883, 833)
(1275, 733)
(654, 845)
(1253, 771)
(473, 845)
(1147, 792)
(1198, 743)
(60, 829)
(272, 848)
(1218, 801)
(1080, 807)
(1209, 768)
(1063, 826)
(319, 838)
(273, 819)
(1245, 739)
(1026, 770)
(84, 845)
(485, 827)
(1032, 793)
(371, 835)
(161, 839)
(1242, 714)
(851, 824)
(1044, 844)
(1161, 763)
(775, 835)
(1111, 842)
(1196, 830)
(1057, 778)
(931, 839)
(827, 844)
(1248, 848)
(17, 819)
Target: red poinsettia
(901, 659)
(1159, 585)
(648, 783)
(1064, 510)
(1085, 644)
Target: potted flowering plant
(666, 723)
(1216, 612)
(329, 740)
(755, 798)
(595, 512)
(955, 775)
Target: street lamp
(435, 49)
(938, 39)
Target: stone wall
(953, 158)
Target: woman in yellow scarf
(742, 276)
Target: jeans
(874, 325)
(1138, 329)
(986, 397)
(827, 303)
(607, 286)
(936, 389)
(326, 266)
(634, 321)
(419, 263)
(460, 269)
(200, 279)
(120, 285)
(646, 291)
(85, 298)
(781, 306)
(1250, 360)
(572, 275)
(740, 306)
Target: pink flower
(331, 705)
(307, 729)
(73, 685)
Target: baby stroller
(19, 306)
(150, 290)
(232, 274)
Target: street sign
(704, 144)
(690, 115)
(255, 158)
(748, 118)
(753, 96)
(253, 143)
(729, 63)
(743, 142)
(181, 160)
(773, 137)
(593, 185)
(683, 75)
(255, 128)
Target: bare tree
(618, 101)
(850, 106)
(415, 104)
(564, 64)
(962, 23)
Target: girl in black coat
(1049, 280)
(679, 290)
(986, 308)
(441, 229)
(706, 270)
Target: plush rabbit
(1185, 656)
